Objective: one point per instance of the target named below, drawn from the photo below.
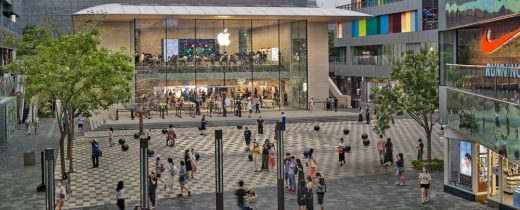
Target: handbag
(62, 196)
(339, 149)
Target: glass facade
(462, 12)
(213, 60)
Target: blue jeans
(243, 207)
(292, 183)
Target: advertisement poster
(465, 158)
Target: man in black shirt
(260, 123)
(420, 150)
(241, 193)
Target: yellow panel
(339, 30)
(363, 27)
(408, 21)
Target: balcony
(365, 4)
(498, 82)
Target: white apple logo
(223, 38)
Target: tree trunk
(429, 145)
(62, 153)
(70, 137)
(141, 122)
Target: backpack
(162, 168)
(173, 171)
(197, 156)
(323, 185)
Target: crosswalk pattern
(96, 186)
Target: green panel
(372, 26)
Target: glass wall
(367, 55)
(262, 61)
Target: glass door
(494, 176)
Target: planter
(136, 136)
(151, 153)
(346, 131)
(348, 148)
(121, 141)
(316, 127)
(364, 136)
(306, 154)
(366, 142)
(239, 127)
(124, 147)
(164, 131)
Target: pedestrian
(256, 154)
(286, 162)
(311, 164)
(265, 155)
(251, 199)
(257, 105)
(241, 193)
(152, 187)
(299, 168)
(425, 180)
(211, 105)
(239, 109)
(292, 169)
(250, 108)
(60, 195)
(247, 138)
(367, 114)
(272, 154)
(302, 195)
(321, 188)
(80, 122)
(120, 195)
(311, 105)
(110, 134)
(335, 104)
(171, 174)
(189, 167)
(260, 123)
(159, 169)
(202, 124)
(420, 150)
(342, 147)
(28, 127)
(310, 200)
(172, 135)
(194, 165)
(96, 152)
(360, 119)
(197, 107)
(183, 180)
(283, 121)
(36, 125)
(389, 158)
(381, 149)
(399, 169)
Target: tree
(332, 49)
(75, 70)
(415, 92)
(386, 105)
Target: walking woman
(110, 134)
(399, 174)
(299, 169)
(425, 180)
(265, 155)
(171, 136)
(360, 118)
(256, 153)
(310, 200)
(61, 195)
(159, 168)
(302, 197)
(341, 151)
(183, 180)
(171, 174)
(189, 168)
(194, 165)
(152, 187)
(311, 164)
(272, 154)
(389, 155)
(120, 195)
(320, 190)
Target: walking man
(247, 136)
(335, 104)
(257, 105)
(420, 150)
(367, 114)
(283, 121)
(381, 149)
(260, 123)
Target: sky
(331, 3)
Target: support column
(219, 170)
(280, 173)
(144, 171)
(49, 178)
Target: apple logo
(223, 38)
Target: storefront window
(511, 181)
(461, 156)
(367, 55)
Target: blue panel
(416, 14)
(384, 24)
(355, 28)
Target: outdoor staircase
(342, 99)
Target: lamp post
(144, 171)
(49, 178)
(219, 170)
(280, 173)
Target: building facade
(368, 49)
(479, 100)
(34, 11)
(278, 55)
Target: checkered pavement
(91, 187)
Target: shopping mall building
(479, 100)
(278, 53)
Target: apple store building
(276, 55)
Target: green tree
(386, 105)
(76, 70)
(332, 49)
(415, 92)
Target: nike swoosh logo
(492, 46)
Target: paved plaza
(361, 184)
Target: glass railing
(491, 122)
(499, 81)
(190, 68)
(366, 3)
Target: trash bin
(29, 158)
